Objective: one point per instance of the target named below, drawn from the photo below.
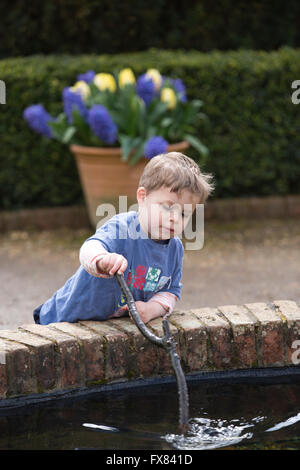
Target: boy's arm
(90, 253)
(166, 300)
(158, 306)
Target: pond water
(223, 416)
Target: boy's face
(164, 214)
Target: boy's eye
(169, 208)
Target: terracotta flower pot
(104, 177)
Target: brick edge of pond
(36, 359)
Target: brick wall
(62, 356)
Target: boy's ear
(141, 194)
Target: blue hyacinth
(102, 124)
(155, 146)
(37, 118)
(145, 88)
(180, 88)
(73, 101)
(87, 77)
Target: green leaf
(137, 154)
(134, 114)
(150, 132)
(142, 120)
(125, 143)
(68, 134)
(166, 122)
(196, 103)
(201, 148)
(59, 127)
(128, 144)
(156, 111)
(83, 129)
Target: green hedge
(250, 131)
(114, 26)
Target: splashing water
(205, 433)
(284, 424)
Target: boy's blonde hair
(176, 171)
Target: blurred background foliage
(231, 55)
(114, 26)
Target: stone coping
(36, 359)
(76, 217)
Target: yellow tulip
(126, 77)
(168, 96)
(82, 87)
(156, 77)
(105, 81)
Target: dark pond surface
(223, 416)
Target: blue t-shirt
(152, 267)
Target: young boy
(143, 245)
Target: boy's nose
(174, 217)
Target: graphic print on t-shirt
(146, 279)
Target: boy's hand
(112, 263)
(148, 310)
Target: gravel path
(241, 262)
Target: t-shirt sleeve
(112, 235)
(176, 285)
